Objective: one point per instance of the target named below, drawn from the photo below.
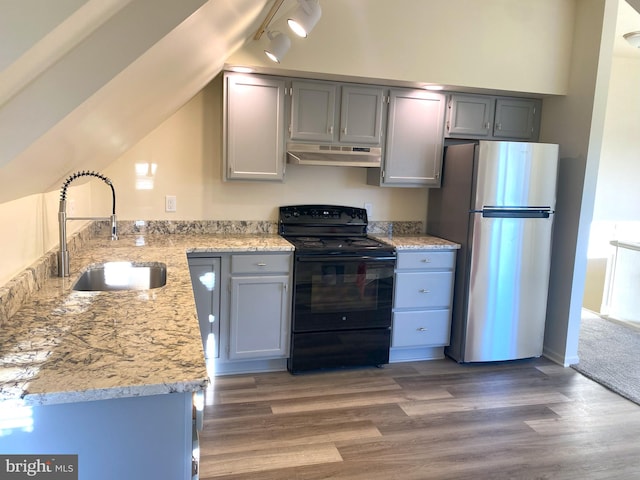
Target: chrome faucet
(63, 254)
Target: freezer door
(508, 284)
(516, 174)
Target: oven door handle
(345, 258)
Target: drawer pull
(421, 329)
(262, 264)
(426, 260)
(422, 290)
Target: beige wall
(517, 45)
(30, 227)
(576, 122)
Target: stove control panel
(331, 214)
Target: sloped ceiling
(88, 78)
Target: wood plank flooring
(423, 420)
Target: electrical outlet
(369, 208)
(170, 204)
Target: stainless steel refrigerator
(497, 200)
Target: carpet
(609, 353)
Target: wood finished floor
(422, 420)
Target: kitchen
(213, 199)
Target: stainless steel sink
(111, 276)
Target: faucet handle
(114, 228)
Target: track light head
(305, 17)
(278, 46)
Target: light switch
(170, 204)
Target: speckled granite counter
(418, 242)
(67, 346)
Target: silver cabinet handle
(331, 129)
(421, 329)
(344, 131)
(426, 260)
(262, 264)
(423, 290)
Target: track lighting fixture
(304, 17)
(278, 46)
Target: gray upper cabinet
(496, 118)
(470, 115)
(327, 112)
(516, 119)
(361, 115)
(253, 131)
(414, 140)
(313, 106)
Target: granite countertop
(418, 242)
(67, 346)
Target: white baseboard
(397, 355)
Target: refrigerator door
(508, 283)
(516, 174)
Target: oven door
(342, 292)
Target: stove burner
(363, 242)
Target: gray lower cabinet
(251, 298)
(205, 281)
(414, 140)
(253, 128)
(259, 311)
(423, 292)
(124, 438)
(494, 118)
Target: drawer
(423, 289)
(261, 263)
(428, 259)
(426, 328)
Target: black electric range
(343, 288)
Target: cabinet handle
(426, 260)
(331, 129)
(262, 264)
(344, 131)
(488, 125)
(422, 290)
(421, 329)
(499, 126)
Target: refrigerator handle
(515, 212)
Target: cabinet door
(259, 317)
(516, 118)
(205, 281)
(313, 106)
(470, 115)
(413, 153)
(254, 136)
(361, 115)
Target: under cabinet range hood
(335, 155)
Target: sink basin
(112, 276)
